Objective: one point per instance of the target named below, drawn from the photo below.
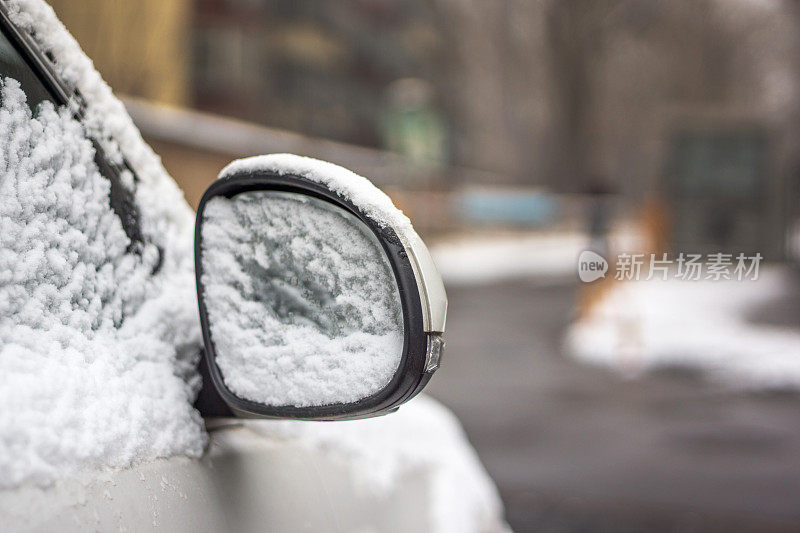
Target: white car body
(410, 471)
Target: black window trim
(41, 63)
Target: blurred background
(517, 134)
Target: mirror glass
(302, 304)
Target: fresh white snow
(697, 324)
(359, 190)
(476, 260)
(90, 375)
(301, 299)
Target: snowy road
(573, 447)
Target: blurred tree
(556, 91)
(575, 31)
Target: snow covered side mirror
(317, 299)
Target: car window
(14, 65)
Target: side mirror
(317, 299)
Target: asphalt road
(577, 448)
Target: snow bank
(422, 438)
(301, 300)
(359, 190)
(481, 260)
(89, 372)
(702, 324)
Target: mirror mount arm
(209, 402)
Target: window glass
(13, 65)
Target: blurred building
(319, 68)
(694, 101)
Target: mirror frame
(414, 370)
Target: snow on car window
(301, 299)
(89, 376)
